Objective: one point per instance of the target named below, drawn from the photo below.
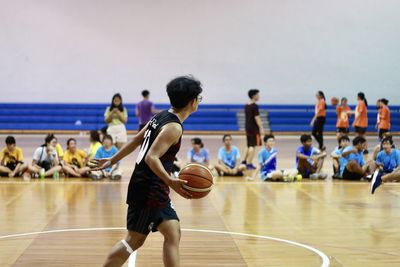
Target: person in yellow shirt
(95, 143)
(116, 116)
(75, 160)
(12, 159)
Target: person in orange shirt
(383, 123)
(360, 123)
(318, 121)
(342, 124)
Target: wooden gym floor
(332, 223)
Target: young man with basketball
(254, 127)
(149, 205)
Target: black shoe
(365, 152)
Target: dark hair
(107, 136)
(145, 93)
(225, 136)
(120, 106)
(384, 101)
(268, 136)
(10, 140)
(361, 95)
(344, 138)
(305, 137)
(48, 139)
(182, 90)
(253, 92)
(359, 140)
(343, 99)
(321, 94)
(387, 139)
(198, 141)
(94, 136)
(70, 140)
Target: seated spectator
(75, 160)
(344, 141)
(12, 159)
(388, 162)
(94, 143)
(107, 150)
(309, 159)
(198, 154)
(229, 159)
(45, 160)
(352, 164)
(379, 147)
(267, 159)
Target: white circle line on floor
(323, 256)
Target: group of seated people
(348, 160)
(50, 160)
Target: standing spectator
(342, 123)
(75, 160)
(360, 123)
(12, 159)
(94, 143)
(116, 116)
(383, 123)
(229, 159)
(145, 109)
(254, 127)
(45, 160)
(318, 121)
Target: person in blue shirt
(344, 141)
(198, 154)
(229, 159)
(388, 163)
(310, 160)
(352, 164)
(107, 150)
(267, 159)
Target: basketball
(334, 101)
(199, 180)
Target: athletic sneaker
(322, 176)
(365, 152)
(376, 180)
(250, 166)
(95, 176)
(314, 176)
(337, 176)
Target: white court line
(323, 256)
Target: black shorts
(143, 220)
(381, 132)
(347, 175)
(342, 130)
(360, 130)
(253, 140)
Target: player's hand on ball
(99, 164)
(176, 185)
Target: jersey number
(144, 147)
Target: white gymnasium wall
(85, 50)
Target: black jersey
(146, 188)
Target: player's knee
(134, 243)
(173, 237)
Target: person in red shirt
(383, 123)
(360, 123)
(342, 123)
(318, 121)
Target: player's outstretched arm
(125, 150)
(168, 136)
